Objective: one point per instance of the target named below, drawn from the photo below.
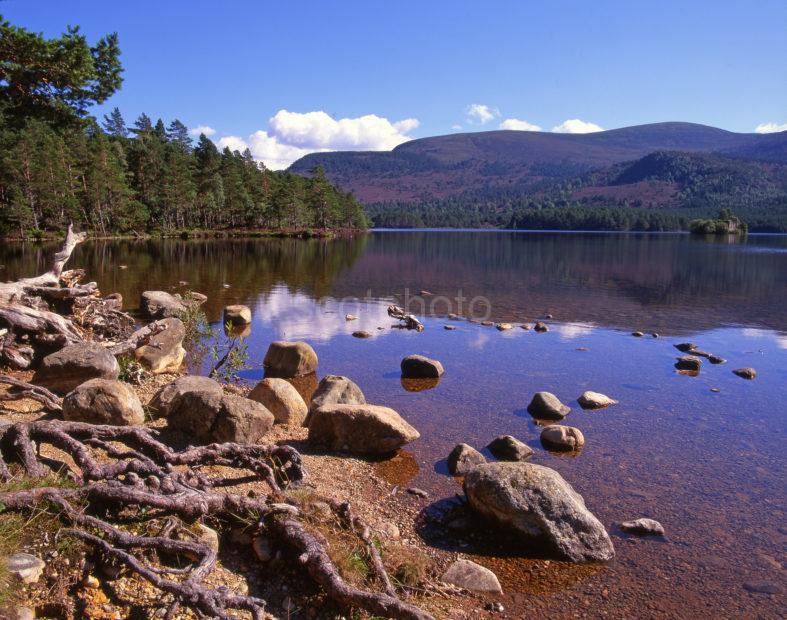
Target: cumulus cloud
(518, 125)
(574, 125)
(480, 113)
(770, 127)
(207, 130)
(291, 135)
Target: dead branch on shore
(122, 467)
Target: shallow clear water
(708, 465)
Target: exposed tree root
(119, 467)
(51, 402)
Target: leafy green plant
(131, 371)
(234, 359)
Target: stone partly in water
(463, 458)
(508, 448)
(716, 359)
(282, 400)
(449, 328)
(237, 314)
(547, 406)
(350, 317)
(637, 334)
(643, 526)
(74, 364)
(538, 504)
(160, 404)
(595, 400)
(564, 438)
(525, 326)
(541, 327)
(207, 417)
(337, 390)
(689, 363)
(503, 327)
(471, 576)
(685, 347)
(362, 333)
(359, 429)
(420, 367)
(25, 567)
(289, 359)
(164, 351)
(103, 401)
(745, 373)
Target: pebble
(643, 526)
(450, 328)
(637, 334)
(350, 317)
(91, 581)
(417, 492)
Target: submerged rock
(206, 417)
(74, 364)
(282, 400)
(286, 359)
(161, 402)
(688, 362)
(546, 405)
(745, 373)
(463, 458)
(508, 448)
(538, 504)
(103, 401)
(567, 438)
(237, 314)
(643, 526)
(164, 351)
(595, 400)
(471, 576)
(360, 429)
(420, 367)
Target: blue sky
(291, 77)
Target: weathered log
(138, 338)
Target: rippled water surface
(709, 465)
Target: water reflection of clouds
(480, 340)
(778, 338)
(569, 331)
(298, 316)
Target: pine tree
(143, 125)
(114, 125)
(178, 134)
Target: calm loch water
(704, 455)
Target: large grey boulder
(161, 402)
(103, 401)
(65, 369)
(164, 351)
(289, 359)
(537, 503)
(471, 576)
(335, 390)
(160, 305)
(463, 458)
(205, 417)
(546, 405)
(420, 367)
(282, 400)
(360, 429)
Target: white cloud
(770, 127)
(574, 125)
(518, 125)
(481, 113)
(291, 135)
(208, 131)
(456, 127)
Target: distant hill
(443, 166)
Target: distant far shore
(297, 233)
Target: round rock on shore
(564, 438)
(281, 399)
(161, 402)
(103, 401)
(471, 576)
(74, 364)
(237, 314)
(420, 367)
